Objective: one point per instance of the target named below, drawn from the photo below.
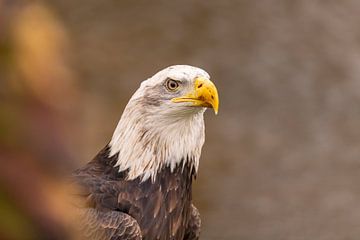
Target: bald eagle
(139, 186)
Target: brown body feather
(116, 208)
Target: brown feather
(161, 208)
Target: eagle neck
(145, 142)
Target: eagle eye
(172, 85)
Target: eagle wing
(96, 199)
(109, 225)
(193, 228)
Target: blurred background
(281, 160)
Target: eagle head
(163, 123)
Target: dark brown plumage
(116, 208)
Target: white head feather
(154, 131)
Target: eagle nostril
(200, 85)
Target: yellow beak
(204, 94)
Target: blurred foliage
(37, 90)
(13, 223)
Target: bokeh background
(281, 160)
